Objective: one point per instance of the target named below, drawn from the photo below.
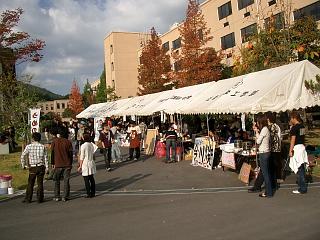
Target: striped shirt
(37, 155)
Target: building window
(51, 107)
(310, 10)
(276, 21)
(111, 49)
(247, 14)
(112, 66)
(63, 106)
(58, 105)
(225, 10)
(165, 46)
(272, 2)
(47, 107)
(176, 43)
(248, 31)
(228, 41)
(113, 84)
(244, 3)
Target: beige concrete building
(121, 61)
(55, 106)
(94, 85)
(231, 23)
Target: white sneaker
(108, 169)
(296, 192)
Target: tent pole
(208, 123)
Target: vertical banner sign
(203, 153)
(35, 119)
(243, 121)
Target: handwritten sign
(203, 153)
(228, 160)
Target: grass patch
(10, 164)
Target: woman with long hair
(263, 140)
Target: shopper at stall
(38, 164)
(115, 149)
(263, 140)
(297, 152)
(106, 137)
(275, 148)
(134, 133)
(171, 144)
(87, 166)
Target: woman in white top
(87, 165)
(263, 140)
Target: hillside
(43, 94)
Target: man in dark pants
(37, 164)
(61, 160)
(171, 143)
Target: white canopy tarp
(277, 89)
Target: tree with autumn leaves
(75, 99)
(16, 47)
(154, 66)
(197, 63)
(23, 47)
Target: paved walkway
(152, 200)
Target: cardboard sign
(245, 173)
(228, 160)
(150, 141)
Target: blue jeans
(301, 179)
(264, 168)
(170, 143)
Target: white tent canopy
(277, 89)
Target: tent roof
(277, 89)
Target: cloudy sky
(74, 31)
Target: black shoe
(26, 201)
(87, 196)
(254, 190)
(64, 199)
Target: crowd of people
(72, 140)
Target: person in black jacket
(171, 143)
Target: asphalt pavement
(148, 199)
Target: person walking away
(115, 149)
(87, 166)
(263, 140)
(61, 160)
(143, 127)
(297, 153)
(171, 143)
(275, 148)
(38, 165)
(134, 132)
(106, 138)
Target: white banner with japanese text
(35, 119)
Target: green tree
(111, 94)
(101, 94)
(14, 110)
(67, 113)
(154, 66)
(87, 95)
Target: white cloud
(74, 31)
